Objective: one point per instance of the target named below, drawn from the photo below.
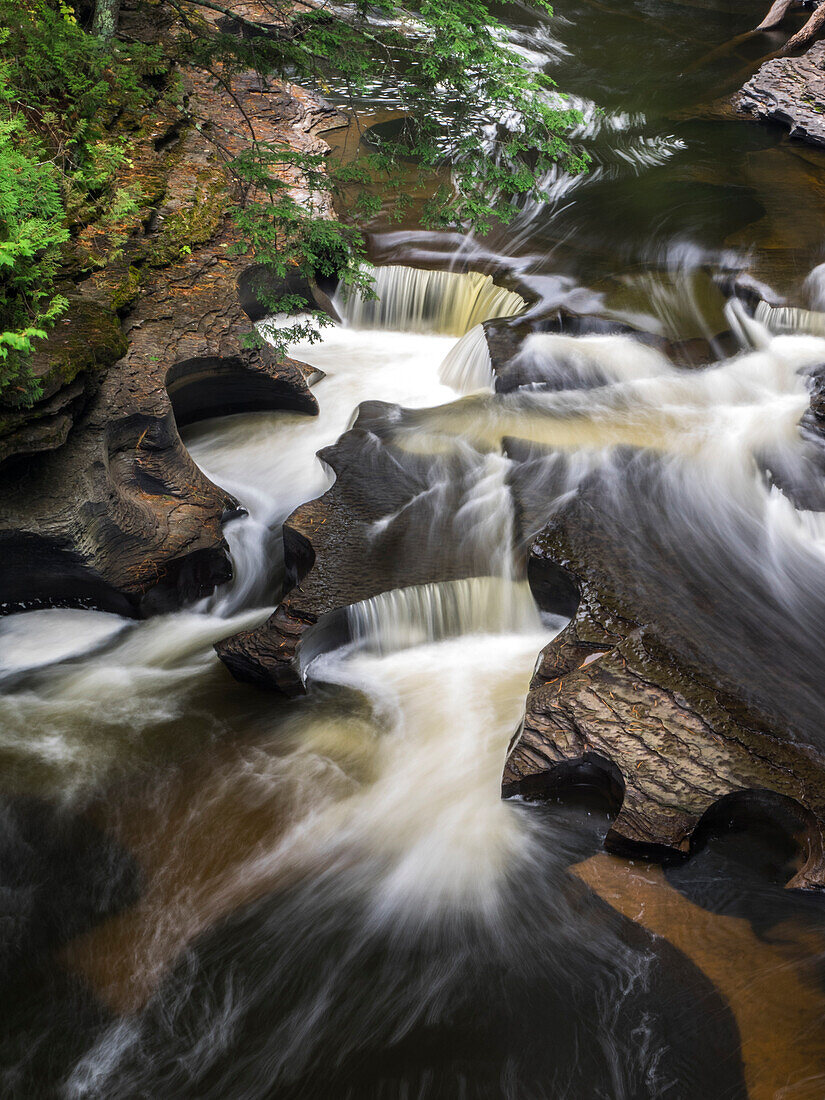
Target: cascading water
(334, 903)
(415, 300)
(782, 320)
(468, 366)
(408, 617)
(371, 811)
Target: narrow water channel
(330, 898)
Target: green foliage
(285, 234)
(32, 229)
(60, 90)
(478, 131)
(481, 129)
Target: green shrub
(60, 90)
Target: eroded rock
(115, 514)
(681, 681)
(790, 91)
(387, 522)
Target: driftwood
(773, 19)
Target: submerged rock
(59, 875)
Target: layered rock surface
(666, 688)
(112, 512)
(790, 91)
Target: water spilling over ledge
(408, 617)
(317, 892)
(468, 366)
(410, 299)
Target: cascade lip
(422, 251)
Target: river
(332, 899)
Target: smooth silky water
(334, 900)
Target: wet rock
(385, 523)
(116, 515)
(790, 91)
(680, 681)
(513, 371)
(69, 367)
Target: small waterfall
(414, 300)
(408, 617)
(468, 367)
(814, 288)
(564, 362)
(788, 320)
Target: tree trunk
(807, 33)
(775, 16)
(107, 13)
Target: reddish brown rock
(112, 512)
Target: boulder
(790, 91)
(385, 523)
(686, 677)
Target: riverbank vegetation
(74, 83)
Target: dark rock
(385, 523)
(790, 91)
(683, 679)
(49, 1021)
(118, 516)
(513, 370)
(58, 877)
(259, 285)
(206, 387)
(69, 367)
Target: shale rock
(112, 512)
(790, 91)
(386, 523)
(69, 368)
(653, 690)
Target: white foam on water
(35, 638)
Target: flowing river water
(333, 900)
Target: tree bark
(806, 34)
(107, 13)
(779, 9)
